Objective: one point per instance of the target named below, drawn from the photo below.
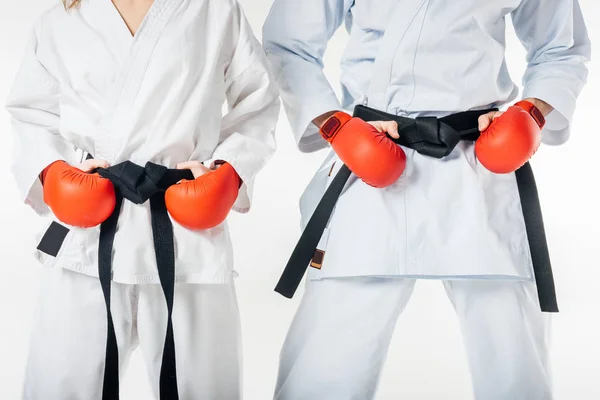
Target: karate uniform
(446, 218)
(87, 86)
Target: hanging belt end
(286, 292)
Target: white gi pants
(339, 338)
(68, 344)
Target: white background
(426, 360)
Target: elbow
(290, 51)
(278, 42)
(271, 36)
(587, 52)
(576, 52)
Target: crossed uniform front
(122, 144)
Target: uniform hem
(200, 278)
(429, 277)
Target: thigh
(339, 338)
(68, 342)
(506, 338)
(207, 333)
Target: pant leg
(207, 331)
(506, 337)
(339, 339)
(68, 342)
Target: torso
(153, 97)
(445, 56)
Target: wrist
(218, 164)
(330, 128)
(541, 105)
(321, 119)
(533, 111)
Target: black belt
(434, 137)
(139, 184)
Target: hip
(200, 256)
(445, 217)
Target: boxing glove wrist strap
(535, 113)
(333, 125)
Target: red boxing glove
(368, 153)
(511, 139)
(204, 202)
(77, 198)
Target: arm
(557, 44)
(34, 105)
(295, 37)
(247, 132)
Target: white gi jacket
(86, 83)
(444, 218)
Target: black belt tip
(553, 310)
(285, 293)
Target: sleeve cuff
(243, 202)
(305, 131)
(558, 122)
(27, 176)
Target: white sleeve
(555, 37)
(34, 106)
(247, 138)
(295, 37)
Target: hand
(76, 196)
(197, 168)
(92, 164)
(365, 149)
(511, 138)
(204, 202)
(486, 119)
(86, 166)
(389, 127)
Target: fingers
(189, 165)
(197, 168)
(389, 127)
(485, 120)
(92, 164)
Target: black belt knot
(138, 185)
(429, 136)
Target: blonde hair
(71, 3)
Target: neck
(132, 3)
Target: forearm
(306, 94)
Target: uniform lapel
(105, 19)
(401, 20)
(137, 54)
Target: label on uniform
(318, 257)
